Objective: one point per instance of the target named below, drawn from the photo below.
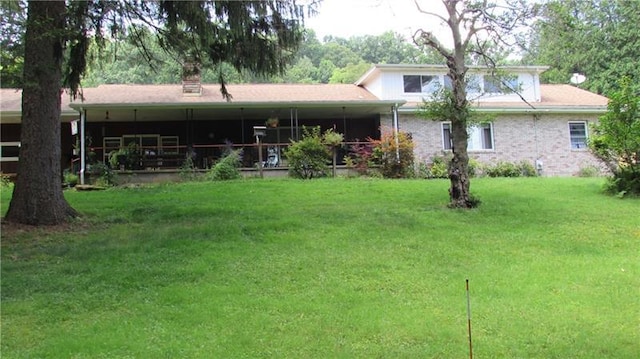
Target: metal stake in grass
(469, 321)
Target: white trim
(586, 135)
(9, 144)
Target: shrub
(509, 169)
(503, 169)
(227, 168)
(439, 167)
(527, 169)
(589, 171)
(188, 170)
(103, 175)
(5, 181)
(359, 158)
(309, 156)
(625, 182)
(615, 140)
(70, 178)
(395, 158)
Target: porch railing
(204, 156)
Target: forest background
(599, 39)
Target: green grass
(347, 268)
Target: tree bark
(37, 195)
(459, 192)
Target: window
(420, 83)
(169, 144)
(500, 84)
(480, 137)
(9, 151)
(447, 142)
(448, 82)
(578, 134)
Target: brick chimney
(191, 85)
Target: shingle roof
(553, 96)
(244, 93)
(567, 95)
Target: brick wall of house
(516, 138)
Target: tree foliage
(597, 38)
(13, 15)
(615, 139)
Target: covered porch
(165, 134)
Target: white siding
(388, 84)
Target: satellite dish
(577, 78)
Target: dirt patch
(10, 231)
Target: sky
(346, 18)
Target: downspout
(291, 121)
(344, 122)
(297, 125)
(539, 163)
(396, 129)
(83, 117)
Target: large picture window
(578, 134)
(420, 83)
(480, 137)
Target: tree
(615, 139)
(261, 36)
(37, 196)
(391, 48)
(466, 20)
(350, 73)
(597, 38)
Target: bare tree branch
(420, 9)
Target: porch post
(83, 117)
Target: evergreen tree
(261, 36)
(596, 38)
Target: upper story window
(420, 83)
(500, 84)
(578, 134)
(475, 83)
(480, 137)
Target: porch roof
(242, 94)
(165, 102)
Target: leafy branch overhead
(259, 36)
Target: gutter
(226, 105)
(540, 110)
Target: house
(543, 124)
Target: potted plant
(272, 122)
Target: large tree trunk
(37, 196)
(459, 192)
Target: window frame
(495, 85)
(424, 84)
(13, 147)
(478, 130)
(585, 126)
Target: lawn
(345, 268)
